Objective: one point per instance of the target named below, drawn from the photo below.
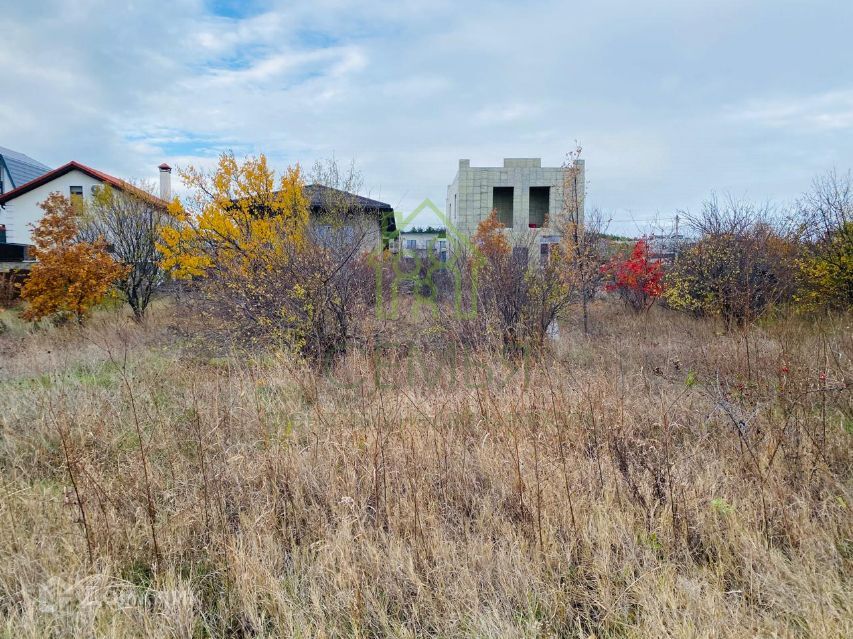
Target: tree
(636, 278)
(582, 243)
(491, 241)
(130, 221)
(70, 276)
(583, 247)
(741, 265)
(236, 219)
(826, 266)
(337, 261)
(501, 290)
(265, 270)
(519, 299)
(579, 244)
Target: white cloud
(822, 112)
(408, 88)
(507, 113)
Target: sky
(671, 100)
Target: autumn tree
(826, 266)
(265, 269)
(740, 266)
(236, 220)
(549, 294)
(130, 222)
(582, 249)
(70, 276)
(501, 290)
(516, 298)
(491, 242)
(637, 278)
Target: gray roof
(21, 168)
(321, 196)
(325, 199)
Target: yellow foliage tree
(70, 276)
(826, 272)
(825, 267)
(236, 217)
(262, 272)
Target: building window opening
(502, 197)
(539, 198)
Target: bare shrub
(130, 222)
(10, 287)
(516, 298)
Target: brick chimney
(165, 182)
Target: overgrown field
(660, 478)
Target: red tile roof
(93, 173)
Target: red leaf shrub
(637, 279)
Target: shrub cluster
(741, 265)
(742, 261)
(265, 265)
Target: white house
(419, 243)
(20, 210)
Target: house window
(411, 244)
(539, 196)
(76, 191)
(442, 250)
(502, 197)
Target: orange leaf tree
(490, 240)
(70, 276)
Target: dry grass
(646, 482)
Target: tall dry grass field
(658, 479)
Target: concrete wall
(470, 195)
(24, 210)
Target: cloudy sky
(670, 99)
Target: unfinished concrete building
(528, 198)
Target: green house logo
(425, 273)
